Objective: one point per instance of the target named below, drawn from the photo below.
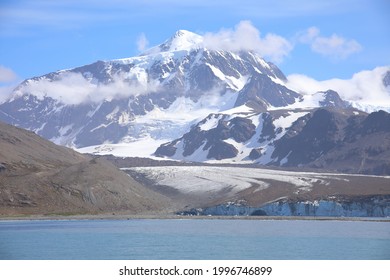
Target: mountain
(39, 177)
(183, 101)
(103, 102)
(330, 138)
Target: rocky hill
(39, 177)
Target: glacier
(374, 207)
(246, 191)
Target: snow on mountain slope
(161, 125)
(181, 40)
(177, 100)
(232, 136)
(120, 101)
(329, 137)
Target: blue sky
(321, 39)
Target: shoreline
(114, 216)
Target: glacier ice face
(374, 207)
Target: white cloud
(73, 88)
(247, 37)
(8, 80)
(5, 92)
(335, 46)
(365, 87)
(142, 42)
(7, 75)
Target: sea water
(190, 239)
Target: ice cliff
(372, 207)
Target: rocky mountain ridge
(183, 101)
(329, 138)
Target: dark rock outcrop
(239, 129)
(260, 90)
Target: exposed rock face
(268, 131)
(211, 140)
(319, 135)
(261, 92)
(374, 123)
(338, 141)
(333, 99)
(329, 138)
(363, 148)
(256, 153)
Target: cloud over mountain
(74, 88)
(365, 86)
(7, 75)
(142, 42)
(7, 80)
(247, 37)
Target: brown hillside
(39, 177)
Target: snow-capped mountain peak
(183, 101)
(181, 40)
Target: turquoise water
(194, 239)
